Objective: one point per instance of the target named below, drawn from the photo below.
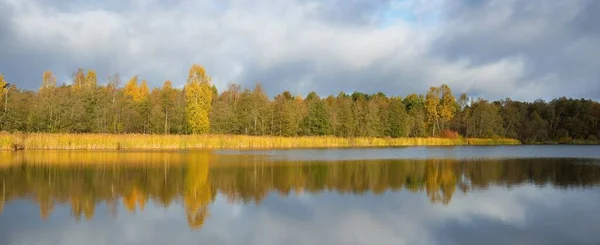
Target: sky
(523, 49)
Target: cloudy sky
(525, 49)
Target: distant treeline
(86, 107)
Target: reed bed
(45, 141)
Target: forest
(92, 105)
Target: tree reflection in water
(196, 177)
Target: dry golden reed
(45, 141)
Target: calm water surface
(413, 195)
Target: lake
(410, 195)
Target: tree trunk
(166, 121)
(507, 128)
(6, 101)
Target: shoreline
(48, 141)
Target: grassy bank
(144, 141)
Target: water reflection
(195, 178)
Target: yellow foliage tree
(4, 91)
(131, 89)
(48, 81)
(144, 91)
(91, 80)
(3, 84)
(166, 97)
(432, 101)
(448, 105)
(440, 107)
(167, 85)
(198, 97)
(79, 79)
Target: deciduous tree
(198, 96)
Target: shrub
(449, 134)
(565, 140)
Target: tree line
(86, 107)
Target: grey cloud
(556, 40)
(109, 5)
(588, 20)
(524, 49)
(343, 12)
